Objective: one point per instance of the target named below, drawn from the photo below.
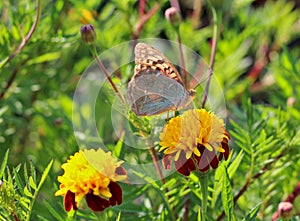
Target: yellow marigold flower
(93, 175)
(194, 136)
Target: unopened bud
(291, 101)
(88, 33)
(285, 210)
(172, 15)
(58, 121)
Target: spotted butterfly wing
(156, 86)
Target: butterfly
(156, 85)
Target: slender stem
(203, 179)
(144, 19)
(19, 49)
(213, 52)
(155, 160)
(9, 82)
(27, 37)
(142, 4)
(103, 69)
(182, 63)
(175, 4)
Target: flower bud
(285, 210)
(58, 121)
(88, 33)
(172, 15)
(291, 101)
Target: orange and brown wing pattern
(148, 57)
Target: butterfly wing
(152, 92)
(156, 86)
(148, 57)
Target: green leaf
(4, 163)
(119, 217)
(45, 174)
(199, 214)
(235, 164)
(220, 173)
(17, 178)
(45, 58)
(27, 193)
(227, 196)
(53, 211)
(32, 171)
(31, 183)
(253, 213)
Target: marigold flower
(192, 140)
(93, 175)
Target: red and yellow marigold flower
(92, 174)
(192, 140)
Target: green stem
(203, 181)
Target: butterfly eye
(192, 93)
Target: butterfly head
(192, 93)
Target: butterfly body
(156, 86)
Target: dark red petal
(96, 203)
(120, 171)
(69, 201)
(116, 192)
(183, 165)
(214, 162)
(166, 162)
(186, 168)
(207, 158)
(226, 148)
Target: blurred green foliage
(257, 65)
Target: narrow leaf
(251, 216)
(26, 192)
(31, 183)
(32, 171)
(45, 174)
(227, 196)
(53, 211)
(235, 164)
(4, 163)
(119, 217)
(17, 178)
